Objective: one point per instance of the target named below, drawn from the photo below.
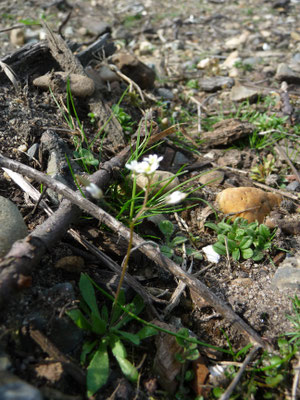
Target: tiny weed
(261, 171)
(171, 245)
(123, 118)
(246, 240)
(243, 66)
(105, 332)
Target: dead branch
(197, 286)
(226, 395)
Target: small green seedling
(170, 245)
(123, 118)
(104, 332)
(260, 172)
(243, 239)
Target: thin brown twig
(226, 395)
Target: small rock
(160, 179)
(293, 187)
(242, 93)
(285, 73)
(166, 94)
(231, 60)
(80, 85)
(11, 387)
(287, 275)
(107, 75)
(33, 151)
(17, 37)
(215, 83)
(71, 264)
(12, 225)
(249, 203)
(5, 363)
(236, 41)
(146, 47)
(180, 159)
(136, 70)
(212, 178)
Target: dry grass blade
(11, 75)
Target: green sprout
(242, 239)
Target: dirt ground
(171, 38)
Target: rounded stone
(159, 180)
(12, 225)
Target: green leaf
(274, 380)
(132, 337)
(232, 245)
(104, 313)
(166, 227)
(211, 225)
(247, 253)
(264, 231)
(117, 347)
(88, 293)
(236, 254)
(117, 310)
(245, 243)
(136, 306)
(98, 370)
(166, 251)
(178, 240)
(128, 369)
(98, 325)
(257, 255)
(87, 347)
(79, 319)
(146, 332)
(224, 226)
(219, 248)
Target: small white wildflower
(216, 370)
(94, 190)
(175, 197)
(146, 167)
(211, 255)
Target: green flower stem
(131, 228)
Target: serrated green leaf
(247, 253)
(88, 293)
(79, 319)
(98, 370)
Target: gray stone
(212, 178)
(215, 83)
(285, 73)
(252, 60)
(242, 93)
(12, 225)
(287, 275)
(13, 388)
(293, 187)
(180, 159)
(33, 151)
(80, 85)
(166, 94)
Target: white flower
(211, 255)
(94, 190)
(175, 197)
(146, 167)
